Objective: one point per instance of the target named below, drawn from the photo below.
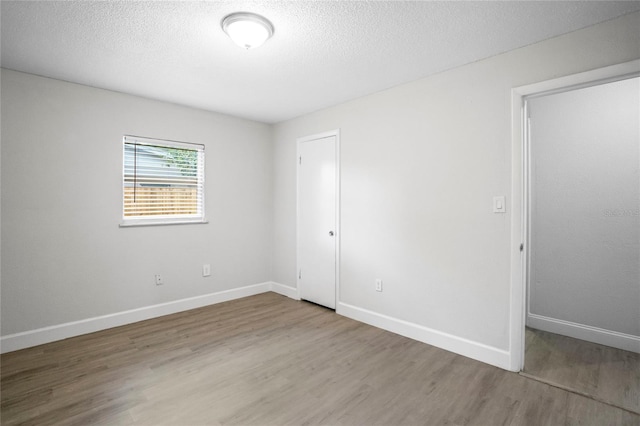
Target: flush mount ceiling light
(247, 30)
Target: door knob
(331, 233)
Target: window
(163, 182)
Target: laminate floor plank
(607, 374)
(270, 360)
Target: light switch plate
(499, 204)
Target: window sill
(136, 223)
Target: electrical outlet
(159, 280)
(378, 284)
(206, 270)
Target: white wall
(585, 185)
(420, 165)
(65, 258)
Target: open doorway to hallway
(583, 266)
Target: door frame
(299, 141)
(520, 204)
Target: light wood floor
(269, 360)
(604, 373)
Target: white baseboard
(601, 336)
(478, 351)
(468, 348)
(14, 342)
(285, 290)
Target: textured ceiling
(322, 53)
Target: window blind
(163, 181)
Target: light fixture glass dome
(247, 30)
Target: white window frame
(172, 219)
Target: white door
(317, 233)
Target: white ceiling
(322, 53)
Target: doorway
(581, 218)
(584, 216)
(318, 219)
